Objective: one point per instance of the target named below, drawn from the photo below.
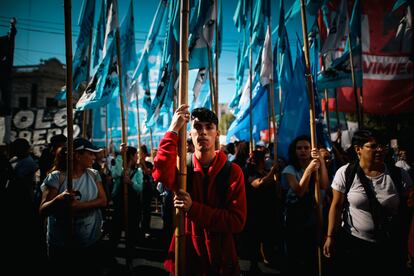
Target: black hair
(230, 148)
(204, 115)
(130, 152)
(20, 147)
(144, 150)
(58, 139)
(258, 155)
(363, 136)
(293, 159)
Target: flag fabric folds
(387, 60)
(104, 84)
(81, 59)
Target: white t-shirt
(359, 220)
(87, 228)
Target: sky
(40, 32)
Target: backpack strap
(223, 183)
(350, 173)
(92, 174)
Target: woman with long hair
(300, 206)
(74, 219)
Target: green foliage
(225, 122)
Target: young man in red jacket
(210, 221)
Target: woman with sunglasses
(366, 199)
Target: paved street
(150, 253)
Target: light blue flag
(285, 71)
(166, 82)
(100, 34)
(103, 84)
(163, 98)
(240, 128)
(201, 90)
(240, 68)
(201, 34)
(355, 27)
(219, 36)
(128, 51)
(339, 73)
(115, 124)
(245, 95)
(99, 126)
(157, 26)
(260, 19)
(338, 29)
(81, 58)
(398, 4)
(282, 41)
(295, 119)
(146, 85)
(241, 16)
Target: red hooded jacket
(210, 247)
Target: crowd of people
(237, 204)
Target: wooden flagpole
(327, 117)
(124, 140)
(216, 89)
(69, 106)
(354, 85)
(138, 122)
(272, 94)
(69, 83)
(216, 49)
(87, 112)
(106, 130)
(251, 79)
(311, 97)
(180, 260)
(210, 76)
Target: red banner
(387, 46)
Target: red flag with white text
(388, 75)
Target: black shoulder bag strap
(350, 173)
(375, 206)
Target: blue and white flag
(111, 25)
(103, 85)
(128, 51)
(240, 127)
(339, 72)
(201, 36)
(100, 35)
(295, 119)
(81, 58)
(157, 26)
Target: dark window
(51, 102)
(33, 94)
(23, 102)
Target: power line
(39, 51)
(51, 22)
